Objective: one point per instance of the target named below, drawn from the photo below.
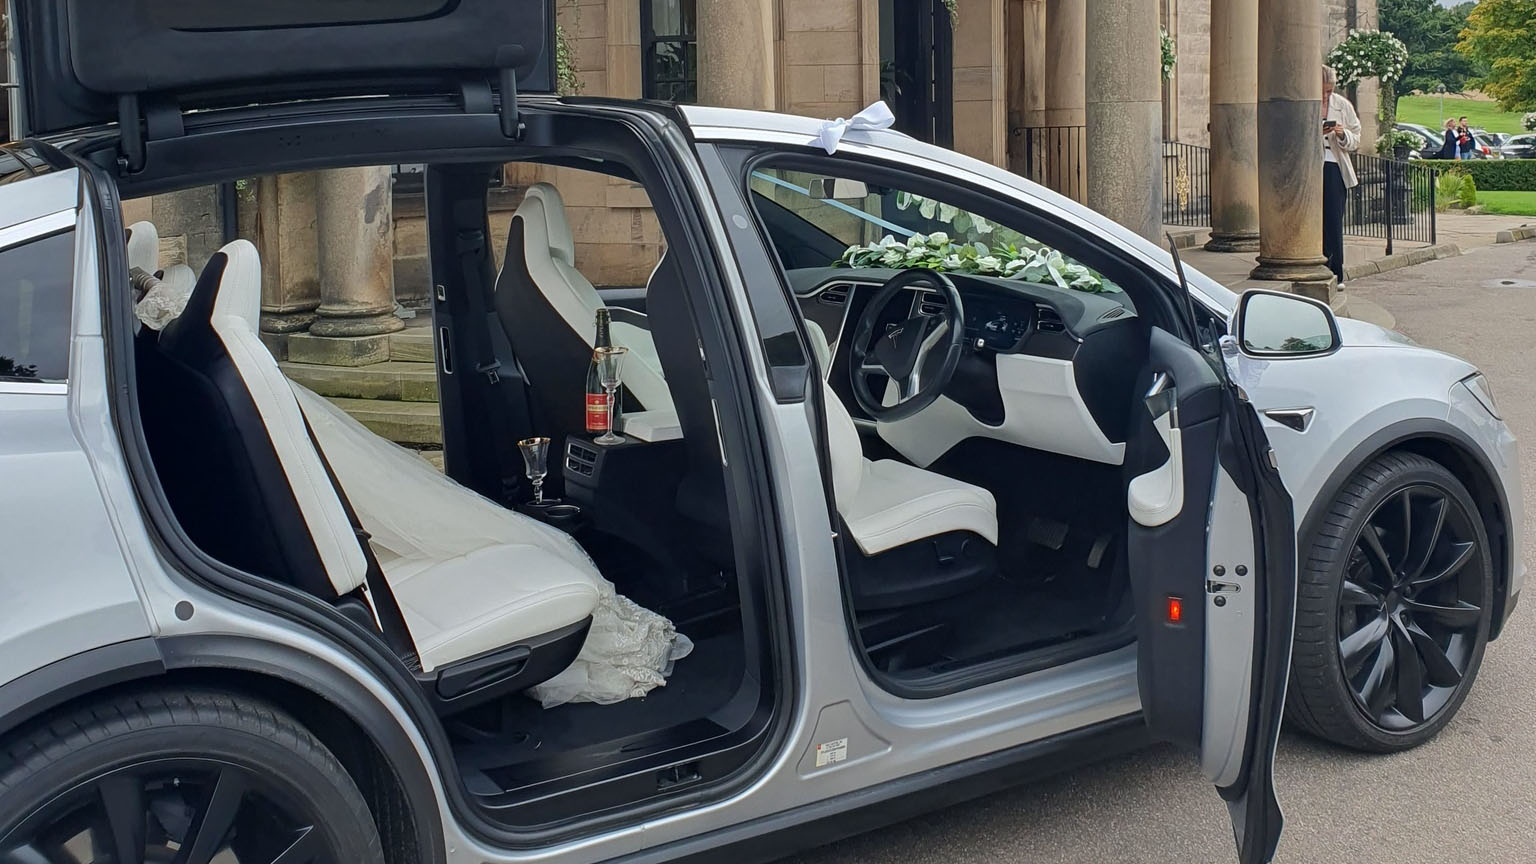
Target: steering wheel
(908, 353)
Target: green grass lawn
(1510, 203)
(1425, 111)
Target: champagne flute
(536, 460)
(610, 369)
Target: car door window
(36, 296)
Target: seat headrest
(229, 287)
(144, 247)
(543, 207)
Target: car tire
(1343, 574)
(147, 773)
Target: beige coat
(1345, 138)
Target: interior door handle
(1162, 399)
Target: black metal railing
(1186, 184)
(1393, 201)
(1054, 156)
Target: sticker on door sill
(831, 752)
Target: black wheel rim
(1410, 607)
(172, 811)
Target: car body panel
(897, 739)
(64, 572)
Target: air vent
(1049, 320)
(933, 304)
(1112, 314)
(580, 459)
(835, 295)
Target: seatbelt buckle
(491, 371)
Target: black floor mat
(1012, 616)
(700, 684)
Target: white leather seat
(455, 606)
(886, 503)
(549, 252)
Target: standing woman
(1449, 149)
(1341, 137)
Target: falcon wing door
(142, 62)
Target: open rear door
(86, 62)
(1212, 553)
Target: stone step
(401, 422)
(393, 379)
(413, 345)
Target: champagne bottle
(597, 397)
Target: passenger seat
(251, 487)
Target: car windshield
(885, 227)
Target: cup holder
(567, 517)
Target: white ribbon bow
(876, 116)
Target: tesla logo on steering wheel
(894, 333)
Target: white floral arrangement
(1170, 52)
(937, 251)
(1368, 54)
(1528, 122)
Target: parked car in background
(1432, 140)
(1519, 147)
(1487, 145)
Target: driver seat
(924, 536)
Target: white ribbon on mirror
(876, 116)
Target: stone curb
(1400, 260)
(1524, 232)
(1186, 239)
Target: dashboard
(1044, 367)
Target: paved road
(1468, 795)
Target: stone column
(356, 252)
(1065, 42)
(285, 226)
(1290, 146)
(1125, 114)
(736, 57)
(1234, 126)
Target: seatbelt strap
(385, 608)
(471, 248)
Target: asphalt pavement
(1469, 795)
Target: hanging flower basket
(1170, 52)
(1368, 54)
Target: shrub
(1447, 189)
(1492, 175)
(1528, 122)
(1468, 194)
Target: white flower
(988, 264)
(938, 238)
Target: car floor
(509, 742)
(1062, 581)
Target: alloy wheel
(171, 811)
(1409, 607)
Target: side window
(36, 296)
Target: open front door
(1212, 551)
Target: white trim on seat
(236, 311)
(549, 254)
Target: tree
(1430, 32)
(1501, 34)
